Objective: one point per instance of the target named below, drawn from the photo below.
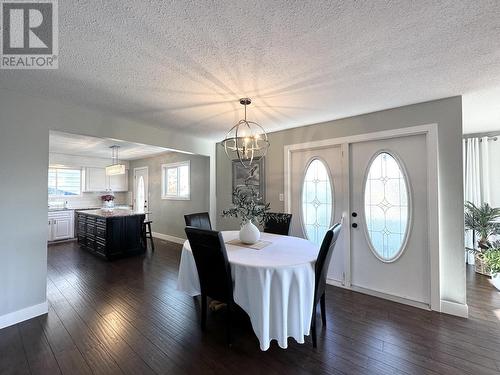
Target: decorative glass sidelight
(317, 201)
(386, 207)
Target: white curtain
(485, 173)
(476, 177)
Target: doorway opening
(79, 180)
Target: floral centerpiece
(108, 200)
(249, 206)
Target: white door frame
(133, 190)
(431, 133)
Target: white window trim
(176, 197)
(67, 196)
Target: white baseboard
(454, 308)
(398, 299)
(447, 307)
(336, 283)
(382, 295)
(23, 314)
(168, 237)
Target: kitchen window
(175, 181)
(65, 182)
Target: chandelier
(116, 167)
(246, 141)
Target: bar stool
(148, 233)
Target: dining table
(274, 285)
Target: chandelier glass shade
(246, 141)
(116, 168)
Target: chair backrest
(323, 260)
(198, 220)
(281, 226)
(211, 261)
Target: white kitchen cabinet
(118, 183)
(61, 225)
(49, 232)
(94, 179)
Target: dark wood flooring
(126, 316)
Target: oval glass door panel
(317, 201)
(386, 207)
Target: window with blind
(175, 182)
(64, 182)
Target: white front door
(317, 199)
(141, 189)
(388, 201)
(383, 187)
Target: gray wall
(447, 113)
(168, 214)
(24, 149)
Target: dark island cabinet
(112, 236)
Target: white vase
(249, 233)
(109, 204)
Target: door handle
(354, 225)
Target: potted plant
(492, 259)
(249, 207)
(483, 220)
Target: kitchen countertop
(55, 209)
(116, 212)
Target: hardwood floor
(126, 316)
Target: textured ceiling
(184, 64)
(82, 145)
(481, 111)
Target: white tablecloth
(275, 285)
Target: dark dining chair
(198, 220)
(278, 223)
(214, 272)
(321, 269)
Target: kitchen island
(111, 233)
